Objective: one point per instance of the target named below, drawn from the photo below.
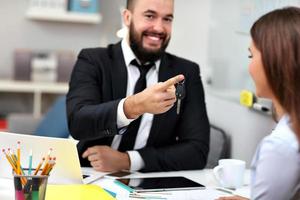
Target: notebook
(67, 169)
(77, 192)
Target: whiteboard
(250, 10)
(229, 40)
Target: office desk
(205, 177)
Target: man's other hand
(106, 159)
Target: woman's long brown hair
(277, 36)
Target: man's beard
(143, 54)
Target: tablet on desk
(161, 183)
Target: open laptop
(67, 169)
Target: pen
(154, 192)
(260, 107)
(122, 185)
(30, 162)
(111, 193)
(136, 196)
(225, 190)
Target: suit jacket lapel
(118, 72)
(166, 71)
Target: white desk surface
(204, 177)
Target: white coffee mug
(230, 173)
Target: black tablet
(161, 183)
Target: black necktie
(128, 138)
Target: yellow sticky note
(246, 98)
(76, 192)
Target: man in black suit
(122, 106)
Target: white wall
(193, 34)
(245, 126)
(190, 31)
(228, 48)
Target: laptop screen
(67, 169)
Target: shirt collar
(285, 132)
(129, 55)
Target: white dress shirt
(275, 169)
(136, 161)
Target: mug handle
(217, 172)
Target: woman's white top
(275, 168)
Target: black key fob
(180, 90)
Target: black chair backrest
(219, 146)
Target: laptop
(67, 169)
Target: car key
(180, 94)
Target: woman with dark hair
(275, 69)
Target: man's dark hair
(130, 4)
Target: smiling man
(122, 105)
(149, 39)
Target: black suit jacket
(99, 82)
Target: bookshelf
(63, 16)
(34, 88)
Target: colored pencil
(39, 166)
(30, 162)
(19, 158)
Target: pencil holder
(30, 187)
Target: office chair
(23, 123)
(296, 196)
(54, 123)
(219, 146)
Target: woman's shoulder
(282, 138)
(277, 158)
